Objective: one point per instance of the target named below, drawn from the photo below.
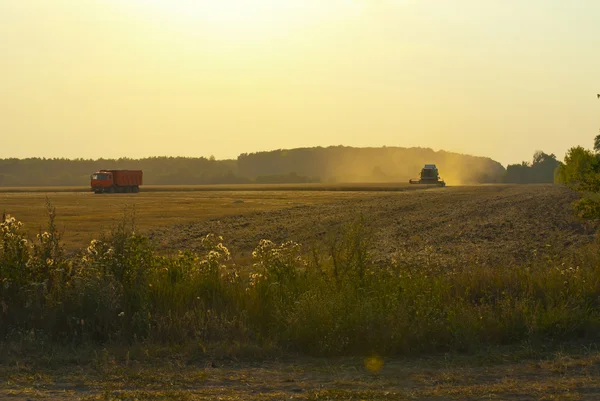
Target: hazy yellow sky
(135, 78)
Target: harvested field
(83, 216)
(369, 187)
(485, 224)
(482, 224)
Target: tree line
(382, 164)
(301, 165)
(541, 170)
(157, 170)
(332, 164)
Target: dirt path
(485, 224)
(561, 376)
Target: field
(358, 187)
(491, 224)
(83, 215)
(487, 224)
(460, 234)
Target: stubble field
(483, 224)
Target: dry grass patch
(83, 216)
(433, 378)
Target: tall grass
(332, 302)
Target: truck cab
(102, 181)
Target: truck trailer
(116, 181)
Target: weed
(120, 289)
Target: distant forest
(386, 164)
(331, 164)
(541, 170)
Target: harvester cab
(429, 175)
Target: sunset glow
(223, 77)
(238, 19)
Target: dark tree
(540, 171)
(597, 144)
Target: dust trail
(387, 164)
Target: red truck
(111, 181)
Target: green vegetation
(540, 171)
(581, 172)
(334, 301)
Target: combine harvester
(429, 176)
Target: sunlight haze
(137, 78)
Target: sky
(138, 78)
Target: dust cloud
(370, 165)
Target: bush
(581, 172)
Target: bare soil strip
(560, 376)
